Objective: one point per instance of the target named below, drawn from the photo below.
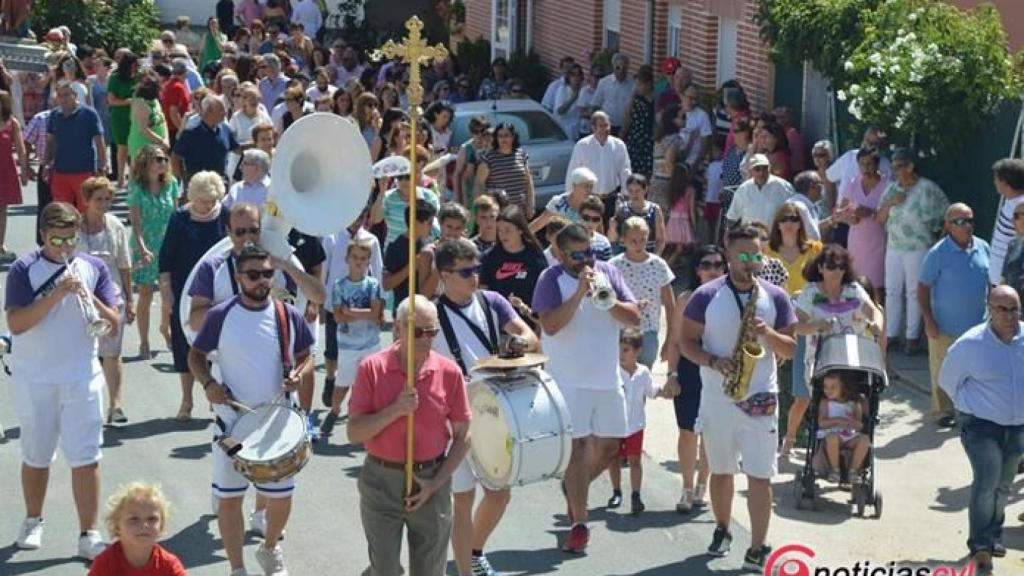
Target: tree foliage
(107, 24)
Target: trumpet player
(582, 305)
(734, 328)
(54, 295)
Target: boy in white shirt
(638, 385)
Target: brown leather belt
(416, 466)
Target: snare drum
(520, 432)
(271, 443)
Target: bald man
(982, 374)
(951, 292)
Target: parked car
(540, 136)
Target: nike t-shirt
(509, 274)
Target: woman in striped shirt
(506, 167)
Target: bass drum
(520, 432)
(185, 301)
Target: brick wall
(562, 28)
(698, 47)
(753, 69)
(478, 19)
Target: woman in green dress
(212, 42)
(120, 88)
(152, 198)
(148, 124)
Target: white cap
(758, 160)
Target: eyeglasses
(711, 264)
(1015, 310)
(425, 332)
(58, 241)
(254, 275)
(243, 231)
(835, 265)
(581, 255)
(792, 219)
(964, 221)
(467, 272)
(747, 257)
(591, 219)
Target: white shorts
(595, 412)
(314, 327)
(730, 434)
(348, 364)
(228, 483)
(463, 479)
(68, 414)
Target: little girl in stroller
(840, 422)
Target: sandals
(184, 413)
(787, 447)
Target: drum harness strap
(449, 333)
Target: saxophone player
(724, 320)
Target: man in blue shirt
(75, 149)
(984, 375)
(951, 291)
(205, 146)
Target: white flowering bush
(927, 72)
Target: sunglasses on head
(243, 231)
(965, 221)
(591, 219)
(835, 265)
(425, 332)
(746, 257)
(58, 241)
(711, 264)
(254, 275)
(468, 272)
(581, 255)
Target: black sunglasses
(789, 219)
(467, 272)
(254, 275)
(243, 231)
(964, 221)
(835, 266)
(425, 332)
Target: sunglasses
(581, 255)
(467, 272)
(58, 241)
(964, 221)
(792, 219)
(835, 266)
(243, 231)
(591, 219)
(254, 275)
(425, 332)
(746, 257)
(711, 264)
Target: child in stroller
(840, 425)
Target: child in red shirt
(136, 517)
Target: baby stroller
(862, 361)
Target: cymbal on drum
(528, 360)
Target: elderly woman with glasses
(912, 210)
(255, 183)
(152, 196)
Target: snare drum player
(254, 343)
(582, 342)
(746, 429)
(471, 323)
(58, 401)
(378, 408)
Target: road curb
(896, 376)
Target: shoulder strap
(283, 336)
(231, 274)
(490, 340)
(449, 337)
(492, 330)
(45, 286)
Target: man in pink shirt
(378, 409)
(247, 11)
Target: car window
(533, 126)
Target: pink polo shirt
(442, 398)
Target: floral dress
(639, 140)
(154, 213)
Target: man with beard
(575, 329)
(263, 345)
(747, 428)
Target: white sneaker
(685, 504)
(258, 522)
(239, 572)
(31, 535)
(698, 496)
(272, 561)
(90, 545)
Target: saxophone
(746, 353)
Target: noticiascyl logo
(795, 560)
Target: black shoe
(721, 542)
(616, 500)
(998, 550)
(946, 422)
(636, 504)
(328, 395)
(328, 425)
(755, 559)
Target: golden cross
(415, 52)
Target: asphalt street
(324, 535)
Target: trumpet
(602, 295)
(95, 325)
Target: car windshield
(533, 126)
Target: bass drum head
(491, 441)
(268, 433)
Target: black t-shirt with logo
(512, 274)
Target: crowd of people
(769, 239)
